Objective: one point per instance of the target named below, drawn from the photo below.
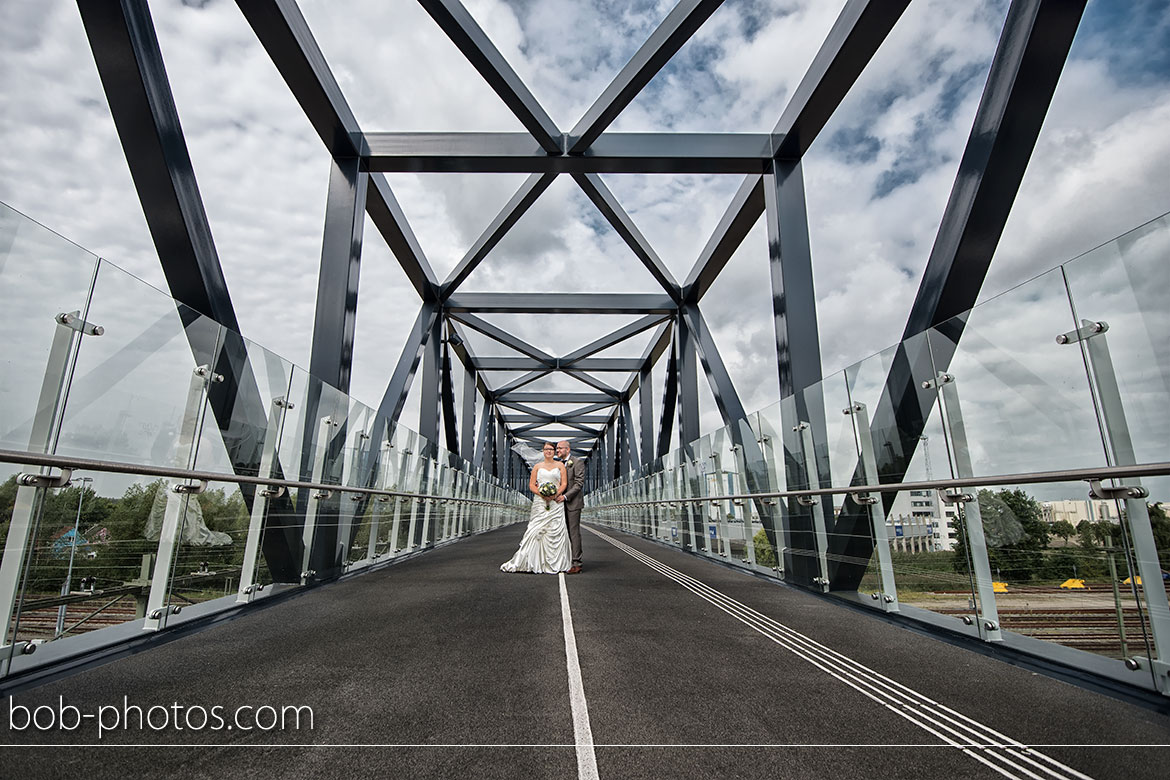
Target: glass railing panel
(705, 483)
(398, 511)
(804, 433)
(770, 541)
(259, 412)
(319, 457)
(672, 485)
(209, 551)
(1062, 571)
(910, 445)
(42, 276)
(1124, 285)
(355, 511)
(1118, 293)
(1016, 400)
(917, 528)
(90, 563)
(135, 390)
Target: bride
(545, 546)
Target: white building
(920, 522)
(1076, 511)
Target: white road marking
(586, 758)
(982, 743)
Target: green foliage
(1016, 536)
(765, 555)
(1064, 529)
(110, 542)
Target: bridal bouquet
(548, 490)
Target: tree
(1015, 533)
(765, 555)
(1064, 529)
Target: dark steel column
(467, 428)
(450, 423)
(646, 414)
(798, 353)
(428, 410)
(337, 283)
(688, 383)
(669, 398)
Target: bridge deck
(446, 667)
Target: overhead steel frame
(1033, 47)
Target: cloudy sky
(877, 179)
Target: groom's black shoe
(574, 570)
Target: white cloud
(877, 181)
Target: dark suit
(574, 503)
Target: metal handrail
(1098, 474)
(118, 467)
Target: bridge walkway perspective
(442, 666)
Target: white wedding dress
(545, 546)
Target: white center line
(586, 759)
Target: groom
(573, 500)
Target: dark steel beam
(654, 350)
(593, 187)
(522, 381)
(739, 218)
(567, 419)
(858, 32)
(482, 445)
(130, 65)
(561, 303)
(593, 382)
(523, 419)
(558, 398)
(632, 458)
(669, 399)
(709, 153)
(584, 364)
(283, 33)
(1032, 50)
(646, 415)
(400, 381)
(388, 217)
(335, 320)
(428, 409)
(502, 336)
(447, 394)
(616, 337)
(860, 29)
(466, 358)
(798, 348)
(463, 31)
(555, 433)
(504, 402)
(688, 383)
(674, 31)
(798, 355)
(524, 428)
(609, 442)
(467, 420)
(517, 205)
(1033, 47)
(282, 30)
(722, 388)
(588, 410)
